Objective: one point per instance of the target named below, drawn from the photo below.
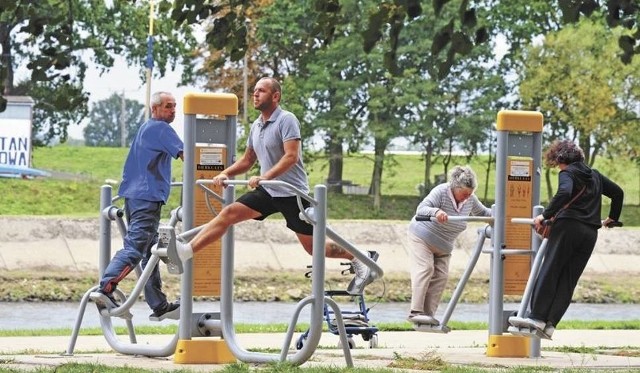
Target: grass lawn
(80, 171)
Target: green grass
(242, 328)
(85, 169)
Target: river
(45, 315)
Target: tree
(444, 113)
(106, 119)
(583, 89)
(617, 13)
(229, 31)
(57, 40)
(315, 53)
(460, 33)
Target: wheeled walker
(356, 321)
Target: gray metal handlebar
(486, 219)
(299, 193)
(529, 221)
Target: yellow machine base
(204, 351)
(508, 346)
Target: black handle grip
(424, 217)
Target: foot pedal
(167, 240)
(520, 326)
(525, 331)
(430, 328)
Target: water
(46, 315)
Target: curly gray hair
(463, 177)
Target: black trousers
(569, 248)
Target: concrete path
(465, 348)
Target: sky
(122, 78)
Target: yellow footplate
(508, 346)
(204, 351)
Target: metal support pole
(105, 231)
(496, 294)
(188, 203)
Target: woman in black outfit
(574, 233)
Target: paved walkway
(467, 348)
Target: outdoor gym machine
(517, 194)
(109, 212)
(483, 233)
(210, 145)
(206, 141)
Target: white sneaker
(417, 318)
(548, 331)
(185, 252)
(539, 325)
(362, 276)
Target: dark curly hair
(563, 151)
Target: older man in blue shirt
(146, 183)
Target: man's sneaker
(104, 300)
(362, 276)
(169, 311)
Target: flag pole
(149, 61)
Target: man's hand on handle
(255, 180)
(219, 179)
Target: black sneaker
(168, 311)
(104, 300)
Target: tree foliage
(106, 120)
(57, 41)
(348, 95)
(460, 34)
(354, 70)
(582, 88)
(617, 13)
